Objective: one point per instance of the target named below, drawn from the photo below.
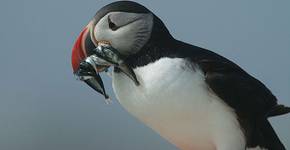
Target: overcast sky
(43, 107)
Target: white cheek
(124, 38)
(127, 39)
(121, 39)
(102, 31)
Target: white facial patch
(132, 32)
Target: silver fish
(111, 55)
(102, 58)
(88, 74)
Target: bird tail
(266, 137)
(278, 110)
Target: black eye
(112, 25)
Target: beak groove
(78, 52)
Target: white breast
(173, 100)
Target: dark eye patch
(112, 25)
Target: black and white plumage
(193, 97)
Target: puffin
(191, 96)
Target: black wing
(247, 95)
(252, 101)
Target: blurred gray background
(43, 107)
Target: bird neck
(152, 51)
(160, 44)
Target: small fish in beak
(102, 58)
(111, 55)
(87, 73)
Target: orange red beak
(79, 51)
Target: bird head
(126, 27)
